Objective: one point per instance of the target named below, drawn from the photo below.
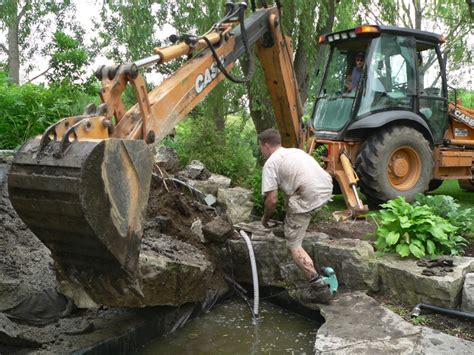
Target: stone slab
(358, 324)
(467, 304)
(402, 280)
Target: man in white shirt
(307, 187)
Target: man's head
(359, 59)
(269, 141)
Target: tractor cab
(378, 74)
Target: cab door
(432, 89)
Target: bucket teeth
(87, 206)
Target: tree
(447, 17)
(68, 58)
(26, 22)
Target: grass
(451, 188)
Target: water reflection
(228, 329)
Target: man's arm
(271, 200)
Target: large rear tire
(396, 161)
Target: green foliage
(415, 230)
(448, 208)
(29, 109)
(67, 61)
(254, 182)
(228, 152)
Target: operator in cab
(307, 188)
(356, 71)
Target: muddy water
(228, 329)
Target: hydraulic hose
(417, 310)
(253, 264)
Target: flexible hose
(253, 264)
(417, 310)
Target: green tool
(330, 279)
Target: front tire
(397, 161)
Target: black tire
(396, 161)
(434, 184)
(467, 185)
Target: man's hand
(265, 222)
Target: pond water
(228, 329)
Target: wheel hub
(404, 168)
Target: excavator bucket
(85, 203)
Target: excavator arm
(82, 187)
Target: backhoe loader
(82, 187)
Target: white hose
(253, 264)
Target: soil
(459, 327)
(26, 266)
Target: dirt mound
(26, 267)
(172, 210)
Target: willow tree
(27, 23)
(450, 18)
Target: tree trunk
(303, 65)
(13, 46)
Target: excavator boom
(82, 187)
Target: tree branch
(37, 76)
(23, 11)
(3, 48)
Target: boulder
(299, 288)
(353, 260)
(238, 202)
(167, 159)
(171, 272)
(467, 304)
(357, 324)
(402, 280)
(271, 256)
(196, 171)
(217, 230)
(211, 185)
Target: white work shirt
(306, 185)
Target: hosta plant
(415, 230)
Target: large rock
(167, 159)
(353, 260)
(211, 185)
(402, 280)
(271, 256)
(196, 170)
(238, 202)
(468, 293)
(357, 324)
(171, 272)
(217, 230)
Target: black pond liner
(160, 321)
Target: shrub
(27, 110)
(228, 153)
(447, 207)
(415, 230)
(254, 182)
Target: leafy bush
(228, 153)
(447, 207)
(27, 110)
(254, 182)
(415, 230)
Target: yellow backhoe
(82, 187)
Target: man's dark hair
(270, 136)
